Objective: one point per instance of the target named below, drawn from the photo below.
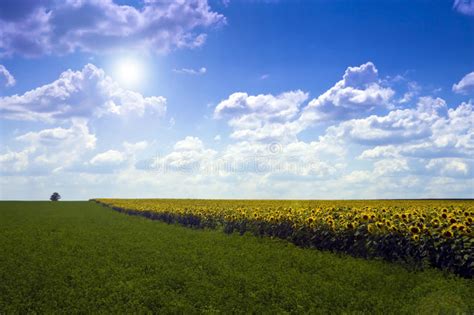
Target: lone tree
(55, 197)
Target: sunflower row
(435, 232)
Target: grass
(80, 257)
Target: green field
(81, 257)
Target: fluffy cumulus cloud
(188, 155)
(14, 162)
(466, 85)
(85, 93)
(262, 117)
(429, 140)
(451, 167)
(67, 150)
(431, 134)
(33, 28)
(389, 166)
(113, 157)
(50, 150)
(277, 145)
(413, 89)
(398, 126)
(358, 93)
(399, 149)
(297, 160)
(6, 78)
(395, 145)
(113, 160)
(464, 6)
(281, 118)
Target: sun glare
(129, 72)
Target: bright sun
(129, 71)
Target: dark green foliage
(55, 197)
(72, 257)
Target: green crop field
(81, 257)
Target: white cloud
(188, 155)
(380, 151)
(266, 107)
(135, 147)
(59, 27)
(281, 118)
(315, 159)
(78, 94)
(189, 144)
(11, 162)
(455, 132)
(398, 126)
(425, 136)
(390, 166)
(110, 157)
(358, 93)
(464, 6)
(78, 135)
(430, 105)
(358, 177)
(257, 121)
(451, 167)
(466, 85)
(413, 90)
(199, 71)
(58, 148)
(7, 77)
(113, 160)
(421, 151)
(262, 117)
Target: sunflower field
(438, 233)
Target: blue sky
(237, 99)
